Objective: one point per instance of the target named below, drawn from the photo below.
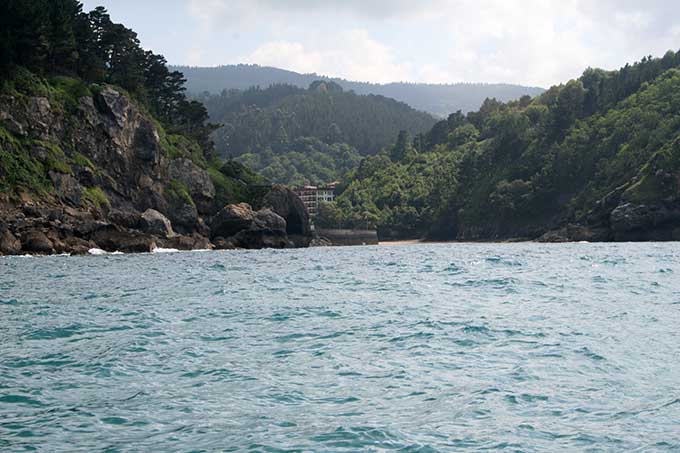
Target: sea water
(414, 348)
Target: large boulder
(35, 241)
(112, 239)
(153, 222)
(237, 225)
(183, 214)
(9, 244)
(197, 181)
(288, 205)
(261, 239)
(125, 218)
(266, 219)
(78, 246)
(232, 219)
(193, 242)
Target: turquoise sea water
(418, 348)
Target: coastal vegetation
(101, 148)
(295, 136)
(436, 99)
(598, 154)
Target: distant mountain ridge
(437, 99)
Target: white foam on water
(164, 250)
(97, 252)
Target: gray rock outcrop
(153, 222)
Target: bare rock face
(68, 187)
(120, 138)
(153, 222)
(196, 179)
(113, 103)
(146, 143)
(12, 125)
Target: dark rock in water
(244, 228)
(555, 236)
(9, 244)
(153, 222)
(78, 246)
(320, 242)
(195, 242)
(197, 181)
(232, 219)
(262, 238)
(36, 242)
(627, 217)
(576, 233)
(114, 240)
(639, 222)
(221, 243)
(288, 205)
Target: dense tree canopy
(520, 168)
(437, 99)
(315, 135)
(55, 37)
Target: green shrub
(82, 161)
(176, 191)
(18, 170)
(56, 159)
(96, 196)
(176, 146)
(66, 91)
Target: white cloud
(539, 42)
(352, 55)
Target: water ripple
(417, 348)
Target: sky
(528, 42)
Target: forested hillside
(294, 135)
(100, 148)
(437, 99)
(597, 158)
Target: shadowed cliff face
(101, 173)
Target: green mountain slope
(296, 135)
(437, 99)
(100, 148)
(593, 159)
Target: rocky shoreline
(57, 229)
(98, 171)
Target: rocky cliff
(87, 168)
